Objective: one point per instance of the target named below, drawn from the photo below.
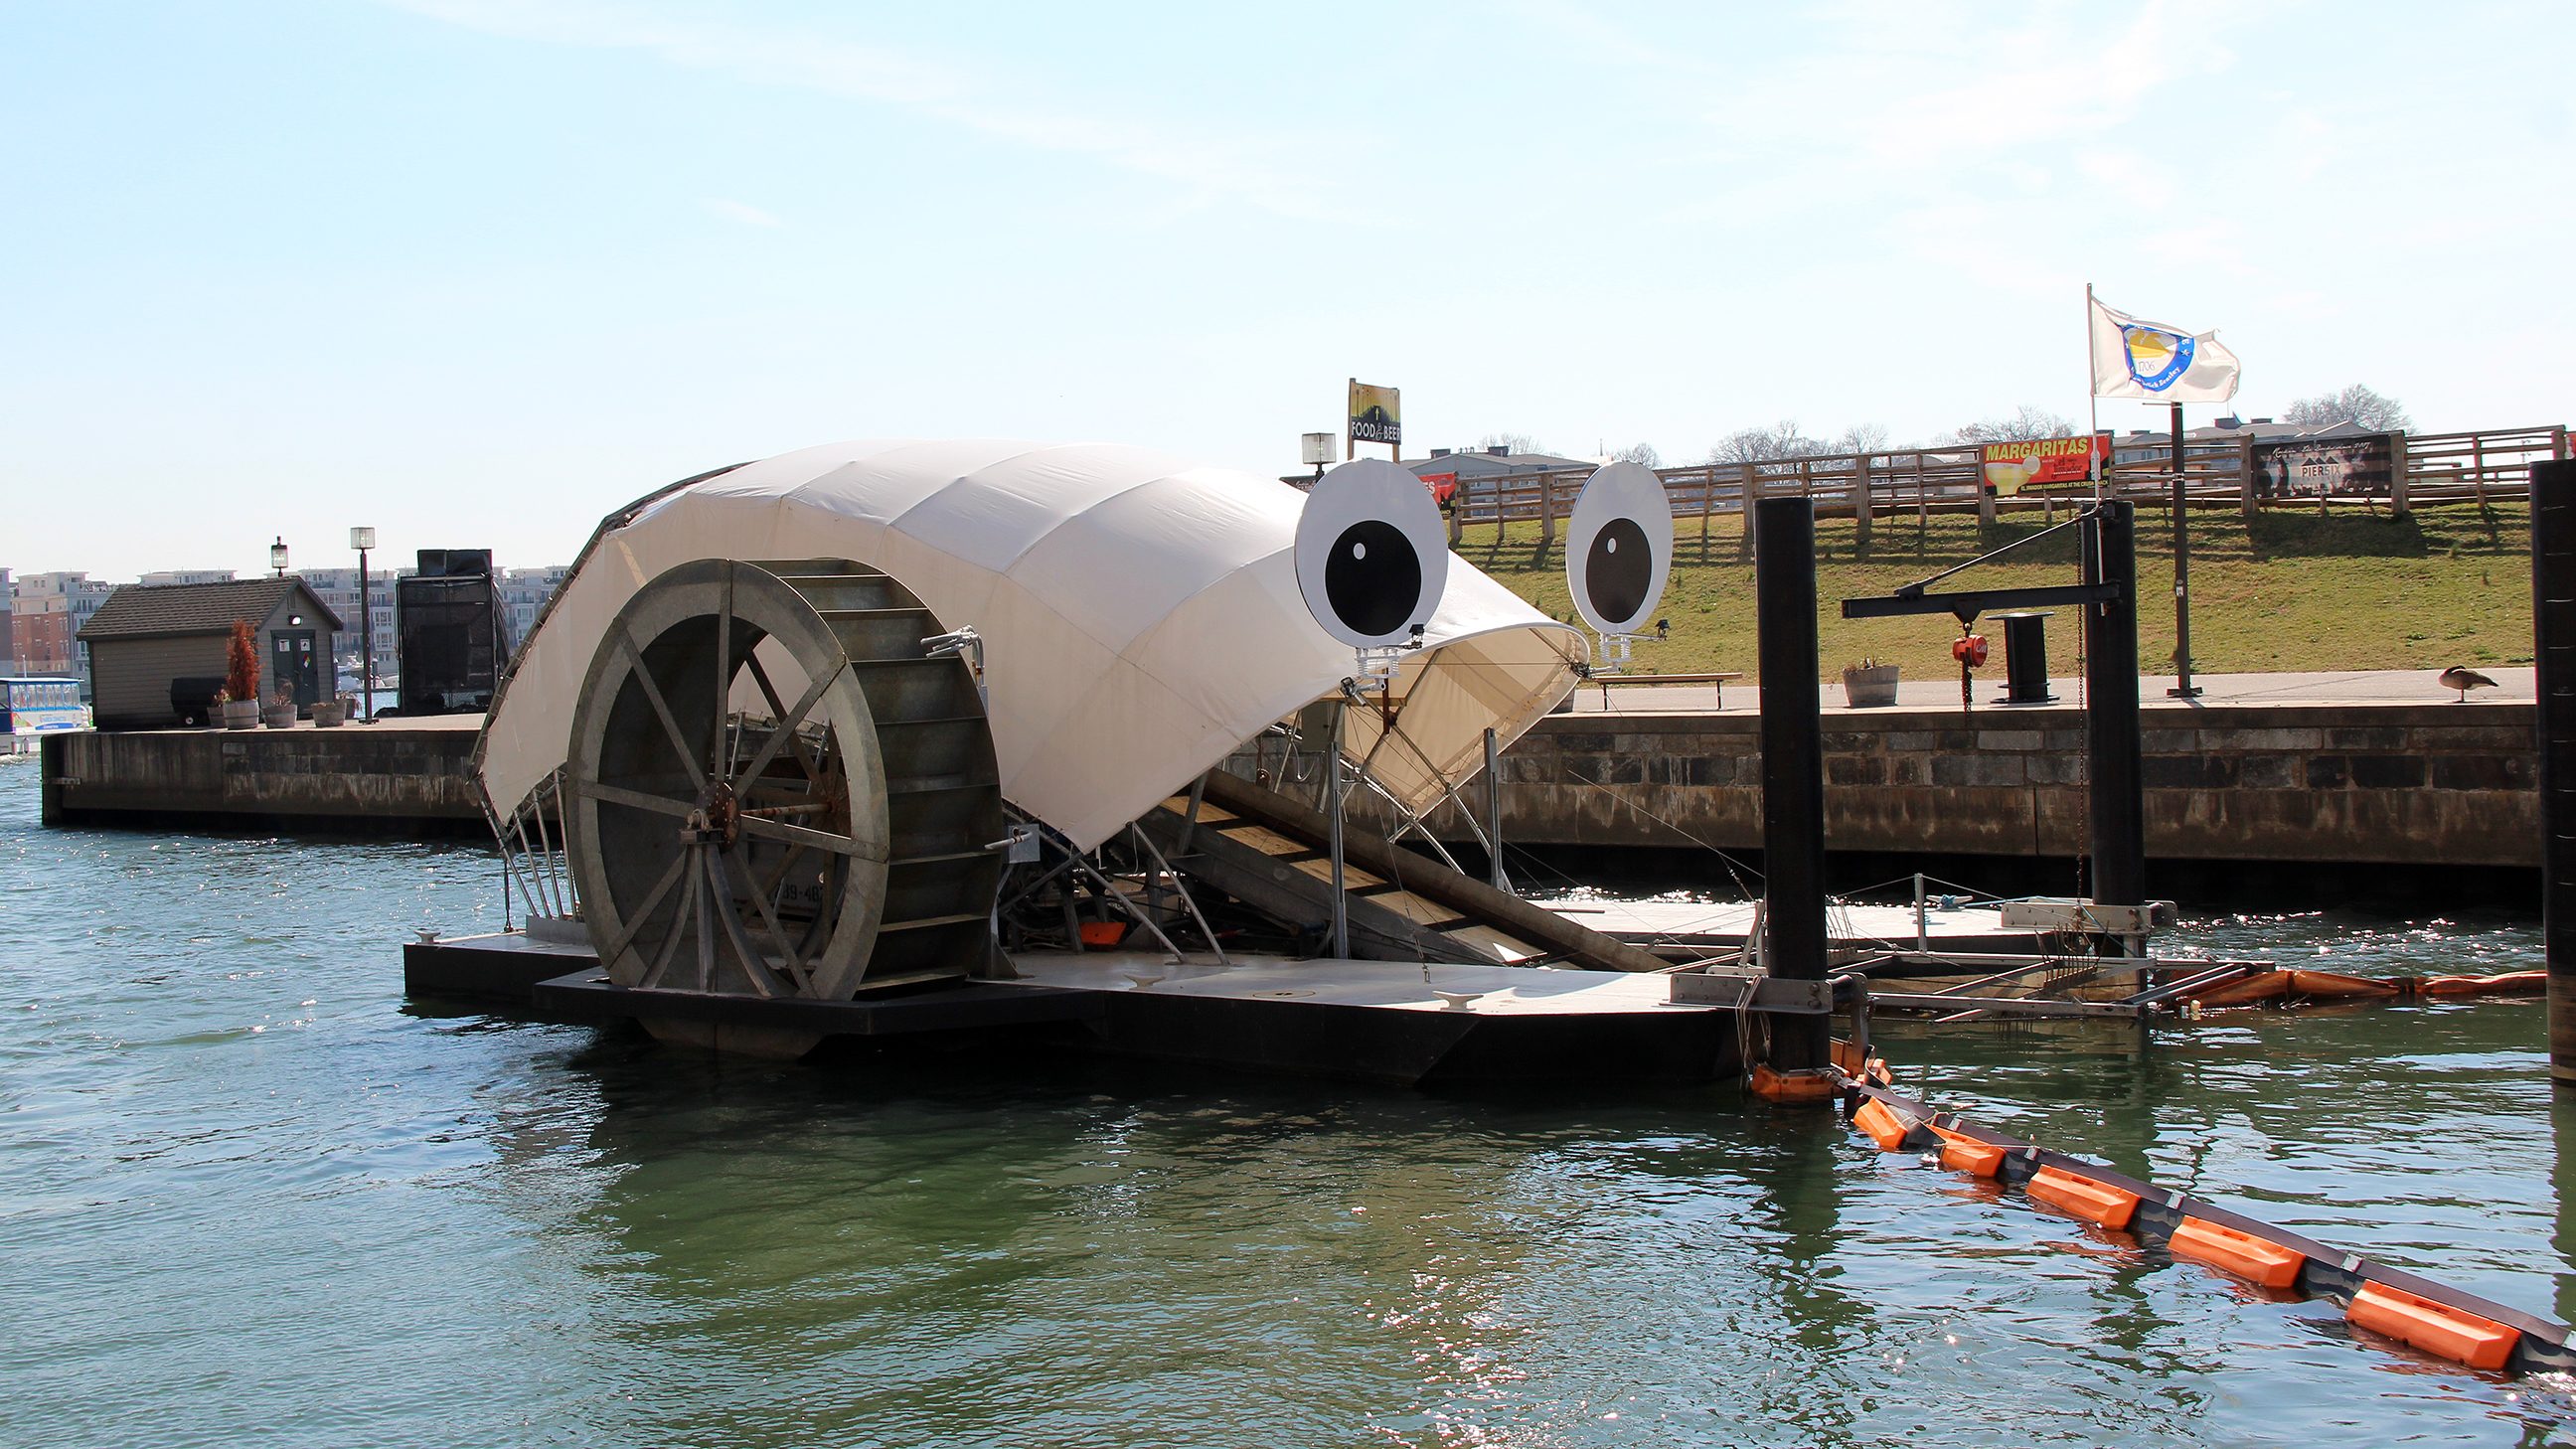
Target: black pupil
(1617, 570)
(1372, 579)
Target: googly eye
(1371, 553)
(1619, 548)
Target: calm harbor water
(248, 1195)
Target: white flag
(2158, 363)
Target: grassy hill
(2284, 591)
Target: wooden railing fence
(1891, 483)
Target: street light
(277, 555)
(363, 539)
(1315, 448)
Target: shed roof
(1477, 462)
(166, 611)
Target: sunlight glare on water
(250, 1195)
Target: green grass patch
(2287, 590)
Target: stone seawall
(2450, 784)
(380, 779)
(2381, 784)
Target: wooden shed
(148, 635)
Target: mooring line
(2445, 1322)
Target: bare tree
(1643, 454)
(2028, 422)
(1862, 438)
(1510, 443)
(2355, 404)
(1767, 445)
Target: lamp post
(363, 539)
(277, 555)
(1315, 448)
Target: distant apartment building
(188, 576)
(524, 593)
(46, 612)
(338, 589)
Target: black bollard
(2553, 623)
(2119, 842)
(1793, 770)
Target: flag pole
(2092, 404)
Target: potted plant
(327, 713)
(280, 713)
(241, 678)
(1869, 683)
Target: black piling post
(1793, 770)
(2553, 621)
(2119, 835)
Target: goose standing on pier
(2464, 679)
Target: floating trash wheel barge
(956, 782)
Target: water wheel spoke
(778, 710)
(671, 940)
(755, 962)
(827, 917)
(706, 928)
(787, 724)
(644, 911)
(718, 750)
(785, 834)
(769, 919)
(778, 872)
(662, 708)
(634, 799)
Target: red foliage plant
(241, 662)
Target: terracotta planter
(241, 714)
(1867, 688)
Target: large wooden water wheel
(778, 790)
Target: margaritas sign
(2013, 466)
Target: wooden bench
(1607, 680)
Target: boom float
(2377, 1299)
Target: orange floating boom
(2266, 1264)
(2334, 986)
(1963, 1153)
(2452, 1333)
(1883, 1125)
(1977, 1159)
(2511, 983)
(2462, 1327)
(2095, 1202)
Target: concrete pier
(2378, 770)
(411, 778)
(2360, 770)
(2319, 783)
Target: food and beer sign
(2024, 462)
(1377, 414)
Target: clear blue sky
(477, 271)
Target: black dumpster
(192, 697)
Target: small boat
(32, 706)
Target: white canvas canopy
(1140, 617)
